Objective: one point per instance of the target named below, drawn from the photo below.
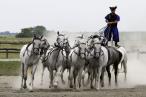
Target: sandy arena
(135, 86)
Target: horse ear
(41, 37)
(82, 36)
(99, 38)
(57, 32)
(34, 37)
(91, 36)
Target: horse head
(80, 47)
(36, 42)
(60, 40)
(44, 46)
(94, 45)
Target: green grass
(12, 38)
(10, 56)
(9, 68)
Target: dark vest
(111, 18)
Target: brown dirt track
(7, 90)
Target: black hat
(113, 8)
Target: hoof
(97, 89)
(50, 86)
(71, 86)
(92, 87)
(24, 86)
(31, 89)
(102, 85)
(55, 85)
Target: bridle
(92, 47)
(44, 47)
(79, 53)
(35, 48)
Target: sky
(70, 15)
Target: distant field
(12, 38)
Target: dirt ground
(8, 89)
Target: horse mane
(27, 48)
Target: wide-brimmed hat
(113, 8)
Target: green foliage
(25, 32)
(39, 30)
(29, 32)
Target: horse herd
(87, 56)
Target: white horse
(56, 58)
(97, 58)
(29, 58)
(115, 57)
(44, 53)
(77, 61)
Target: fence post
(7, 53)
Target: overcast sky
(70, 15)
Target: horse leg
(51, 78)
(63, 81)
(83, 76)
(34, 67)
(125, 67)
(89, 77)
(91, 80)
(98, 77)
(80, 77)
(116, 73)
(57, 75)
(109, 75)
(71, 77)
(68, 77)
(42, 75)
(75, 76)
(102, 77)
(95, 77)
(25, 76)
(22, 74)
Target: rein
(32, 46)
(80, 53)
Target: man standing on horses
(112, 20)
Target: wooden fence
(9, 50)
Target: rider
(112, 20)
(57, 44)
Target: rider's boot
(116, 44)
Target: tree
(29, 32)
(25, 32)
(39, 30)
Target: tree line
(30, 31)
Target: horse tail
(124, 64)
